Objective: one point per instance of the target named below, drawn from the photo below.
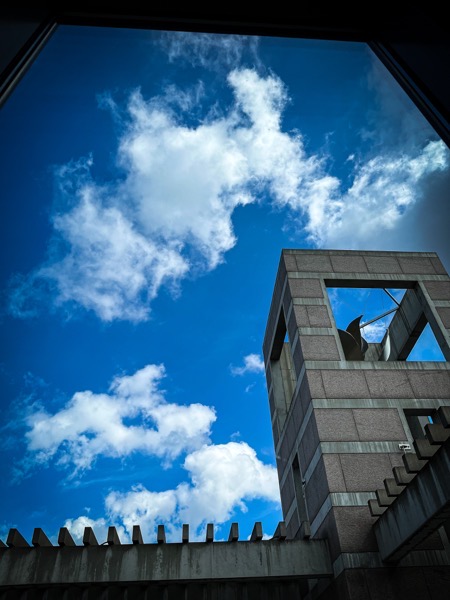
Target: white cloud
(170, 215)
(77, 526)
(186, 182)
(183, 181)
(396, 188)
(209, 50)
(253, 363)
(383, 189)
(374, 332)
(107, 266)
(92, 425)
(223, 479)
(110, 268)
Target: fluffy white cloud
(110, 268)
(186, 181)
(171, 212)
(223, 478)
(182, 180)
(77, 526)
(253, 363)
(383, 190)
(170, 215)
(92, 425)
(107, 265)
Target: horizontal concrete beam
(404, 329)
(195, 561)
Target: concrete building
(362, 439)
(359, 462)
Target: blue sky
(150, 181)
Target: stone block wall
(346, 419)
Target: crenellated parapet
(16, 540)
(123, 564)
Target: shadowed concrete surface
(275, 568)
(415, 509)
(170, 562)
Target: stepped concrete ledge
(421, 508)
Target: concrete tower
(357, 461)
